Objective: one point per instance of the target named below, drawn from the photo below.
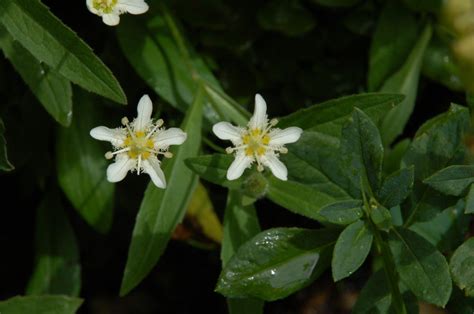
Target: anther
(229, 150)
(125, 121)
(273, 122)
(259, 168)
(168, 155)
(283, 150)
(159, 122)
(109, 155)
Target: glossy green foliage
(462, 266)
(57, 267)
(421, 267)
(60, 48)
(351, 250)
(270, 272)
(162, 209)
(52, 90)
(5, 164)
(362, 151)
(81, 166)
(342, 213)
(40, 305)
(453, 180)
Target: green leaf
(452, 180)
(462, 267)
(50, 41)
(240, 225)
(160, 63)
(5, 165)
(446, 230)
(52, 90)
(381, 217)
(276, 263)
(286, 16)
(40, 305)
(162, 209)
(437, 144)
(57, 266)
(351, 250)
(470, 201)
(330, 116)
(420, 266)
(342, 213)
(362, 151)
(396, 187)
(81, 166)
(393, 156)
(396, 30)
(405, 81)
(375, 297)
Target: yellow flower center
(256, 142)
(104, 6)
(139, 144)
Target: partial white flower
(259, 142)
(138, 144)
(110, 10)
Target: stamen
(158, 124)
(259, 167)
(283, 150)
(229, 150)
(168, 154)
(123, 150)
(139, 164)
(109, 155)
(126, 123)
(273, 122)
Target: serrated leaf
(462, 267)
(362, 151)
(40, 305)
(162, 209)
(5, 164)
(60, 48)
(52, 90)
(351, 250)
(404, 81)
(396, 187)
(276, 263)
(57, 266)
(452, 180)
(81, 166)
(240, 225)
(420, 266)
(330, 116)
(342, 213)
(396, 30)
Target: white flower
(110, 10)
(137, 145)
(258, 142)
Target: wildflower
(110, 10)
(259, 142)
(138, 144)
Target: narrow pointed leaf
(420, 266)
(162, 209)
(50, 41)
(40, 305)
(276, 263)
(57, 267)
(351, 250)
(52, 90)
(362, 151)
(396, 187)
(343, 213)
(452, 180)
(81, 166)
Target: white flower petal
(102, 133)
(133, 6)
(90, 6)
(226, 131)
(238, 166)
(152, 167)
(276, 166)
(285, 136)
(111, 19)
(117, 171)
(259, 118)
(144, 109)
(171, 136)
